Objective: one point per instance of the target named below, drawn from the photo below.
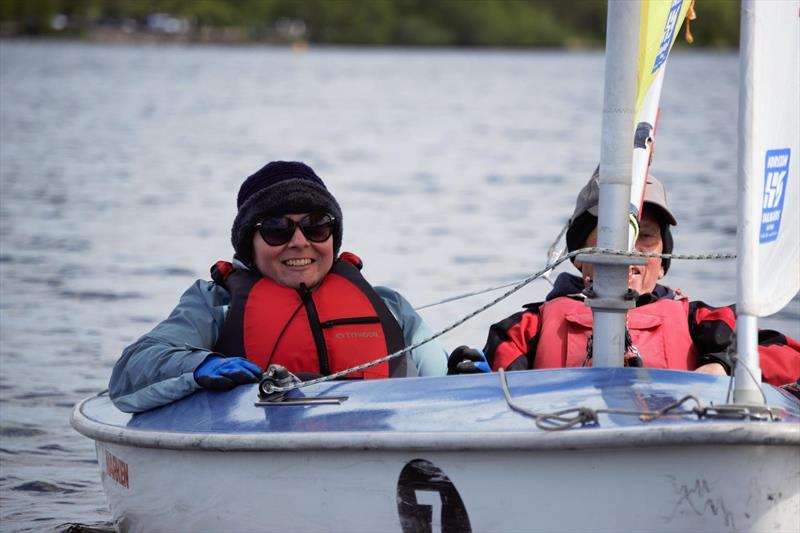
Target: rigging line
(273, 389)
(436, 335)
(736, 365)
(728, 396)
(555, 251)
(468, 294)
(551, 266)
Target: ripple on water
(43, 486)
(58, 244)
(34, 395)
(105, 527)
(85, 390)
(104, 296)
(472, 259)
(19, 431)
(168, 271)
(53, 448)
(144, 319)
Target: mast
(610, 283)
(745, 388)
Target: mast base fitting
(628, 299)
(611, 260)
(612, 304)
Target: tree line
(477, 23)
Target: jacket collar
(571, 285)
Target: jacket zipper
(316, 329)
(354, 320)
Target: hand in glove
(224, 373)
(466, 360)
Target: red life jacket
(658, 331)
(341, 324)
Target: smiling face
(641, 278)
(295, 262)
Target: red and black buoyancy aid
(341, 324)
(658, 330)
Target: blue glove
(466, 360)
(224, 373)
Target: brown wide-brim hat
(584, 217)
(654, 194)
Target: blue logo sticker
(669, 33)
(776, 170)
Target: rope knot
(557, 421)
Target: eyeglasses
(316, 227)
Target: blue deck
(469, 403)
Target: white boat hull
(674, 488)
(449, 454)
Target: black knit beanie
(281, 188)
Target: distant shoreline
(119, 37)
(301, 46)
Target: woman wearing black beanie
(287, 298)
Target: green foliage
(210, 12)
(510, 23)
(32, 16)
(717, 23)
(342, 21)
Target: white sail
(659, 26)
(768, 233)
(769, 169)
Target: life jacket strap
(220, 271)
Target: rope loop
(557, 421)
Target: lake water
(119, 167)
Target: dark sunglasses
(279, 230)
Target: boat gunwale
(651, 435)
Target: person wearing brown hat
(287, 298)
(654, 233)
(665, 329)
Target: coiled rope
(274, 389)
(583, 416)
(559, 420)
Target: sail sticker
(428, 501)
(776, 169)
(669, 34)
(117, 469)
(643, 136)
